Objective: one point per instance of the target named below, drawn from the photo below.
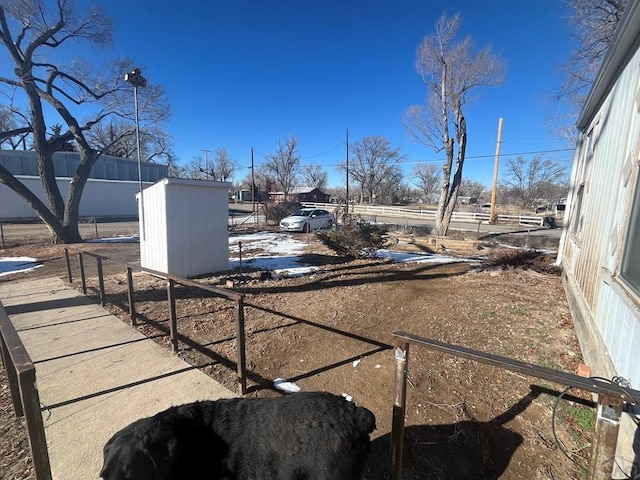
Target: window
(630, 267)
(582, 179)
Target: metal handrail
(171, 280)
(21, 374)
(609, 410)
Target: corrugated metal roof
(23, 162)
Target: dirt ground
(332, 331)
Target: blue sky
(243, 73)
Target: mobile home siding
(605, 310)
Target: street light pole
(136, 79)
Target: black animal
(303, 436)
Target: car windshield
(301, 213)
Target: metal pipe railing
(172, 280)
(610, 399)
(21, 374)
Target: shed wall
(186, 227)
(198, 238)
(153, 234)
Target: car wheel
(329, 224)
(306, 228)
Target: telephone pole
(253, 187)
(206, 163)
(493, 218)
(347, 170)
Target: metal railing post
(35, 425)
(132, 302)
(103, 300)
(83, 278)
(12, 377)
(605, 438)
(173, 324)
(399, 405)
(68, 264)
(240, 345)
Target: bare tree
(428, 178)
(314, 176)
(223, 165)
(195, 169)
(117, 138)
(29, 31)
(593, 23)
(264, 180)
(471, 188)
(283, 164)
(373, 161)
(392, 188)
(450, 70)
(533, 181)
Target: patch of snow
(118, 239)
(9, 265)
(269, 242)
(406, 257)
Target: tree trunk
(53, 224)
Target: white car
(307, 219)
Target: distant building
(301, 194)
(109, 192)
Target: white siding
(591, 256)
(111, 198)
(153, 234)
(186, 227)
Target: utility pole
(206, 163)
(493, 218)
(253, 186)
(347, 170)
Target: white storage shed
(185, 226)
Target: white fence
(462, 217)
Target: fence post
(35, 425)
(399, 404)
(173, 325)
(82, 275)
(132, 303)
(240, 345)
(103, 301)
(95, 226)
(12, 377)
(68, 264)
(2, 235)
(605, 438)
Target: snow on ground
(9, 265)
(118, 239)
(279, 253)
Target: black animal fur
(303, 436)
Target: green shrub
(356, 238)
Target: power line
(439, 160)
